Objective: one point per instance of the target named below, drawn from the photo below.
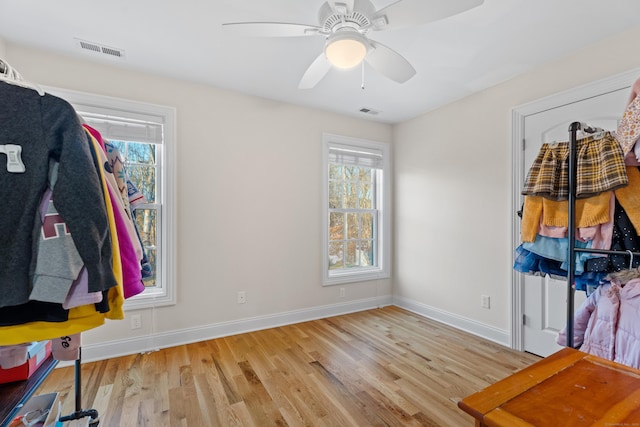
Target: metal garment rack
(94, 417)
(573, 174)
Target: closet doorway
(539, 303)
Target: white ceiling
(454, 57)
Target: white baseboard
(482, 330)
(127, 346)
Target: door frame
(518, 116)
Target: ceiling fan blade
(406, 13)
(389, 62)
(270, 29)
(316, 71)
(341, 6)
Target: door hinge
(524, 144)
(524, 319)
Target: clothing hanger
(587, 130)
(590, 129)
(10, 75)
(621, 277)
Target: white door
(544, 298)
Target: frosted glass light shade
(345, 50)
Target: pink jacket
(607, 324)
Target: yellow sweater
(537, 209)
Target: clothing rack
(7, 72)
(79, 413)
(573, 173)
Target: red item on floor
(37, 354)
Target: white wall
(453, 207)
(249, 205)
(260, 231)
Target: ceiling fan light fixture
(346, 50)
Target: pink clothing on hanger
(79, 293)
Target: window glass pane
(365, 196)
(365, 253)
(352, 226)
(352, 255)
(350, 173)
(151, 256)
(144, 177)
(335, 171)
(146, 223)
(335, 194)
(336, 226)
(141, 153)
(120, 145)
(365, 174)
(350, 200)
(367, 226)
(335, 256)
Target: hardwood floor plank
(381, 367)
(260, 404)
(146, 414)
(206, 400)
(352, 409)
(101, 401)
(240, 416)
(177, 414)
(290, 388)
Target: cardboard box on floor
(48, 402)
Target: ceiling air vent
(369, 111)
(101, 49)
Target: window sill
(149, 299)
(351, 277)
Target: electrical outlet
(342, 293)
(242, 297)
(136, 321)
(485, 301)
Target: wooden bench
(568, 388)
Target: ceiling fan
(346, 25)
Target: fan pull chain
(362, 85)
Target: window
(356, 224)
(144, 136)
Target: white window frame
(165, 292)
(382, 270)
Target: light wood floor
(381, 367)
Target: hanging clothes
(628, 130)
(46, 127)
(129, 248)
(539, 212)
(52, 184)
(600, 168)
(80, 319)
(58, 262)
(605, 183)
(606, 324)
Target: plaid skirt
(600, 167)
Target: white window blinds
(355, 156)
(146, 129)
